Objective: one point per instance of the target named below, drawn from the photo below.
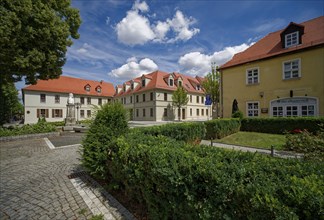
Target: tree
(34, 36)
(211, 87)
(9, 103)
(179, 99)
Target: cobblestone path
(34, 182)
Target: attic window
(132, 86)
(291, 39)
(170, 82)
(124, 88)
(179, 83)
(87, 88)
(143, 82)
(198, 87)
(98, 89)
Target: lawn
(254, 139)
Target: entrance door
(183, 113)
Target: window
(190, 98)
(88, 113)
(252, 109)
(202, 112)
(179, 83)
(151, 96)
(206, 112)
(144, 112)
(277, 111)
(99, 101)
(42, 98)
(131, 99)
(57, 98)
(165, 112)
(124, 100)
(291, 69)
(292, 111)
(82, 100)
(308, 110)
(197, 99)
(170, 82)
(98, 89)
(89, 100)
(191, 112)
(57, 113)
(108, 100)
(132, 86)
(165, 96)
(87, 88)
(136, 98)
(143, 97)
(143, 82)
(197, 112)
(202, 99)
(291, 39)
(252, 76)
(137, 112)
(42, 113)
(81, 113)
(151, 112)
(198, 87)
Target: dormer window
(291, 39)
(198, 87)
(87, 88)
(171, 82)
(124, 88)
(143, 82)
(179, 83)
(132, 85)
(98, 89)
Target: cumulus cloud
(134, 69)
(196, 63)
(136, 28)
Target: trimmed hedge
(219, 128)
(40, 127)
(281, 125)
(174, 180)
(189, 132)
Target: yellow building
(282, 75)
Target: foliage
(304, 142)
(179, 181)
(57, 123)
(179, 99)
(190, 132)
(110, 123)
(9, 102)
(254, 139)
(211, 87)
(238, 114)
(219, 128)
(34, 36)
(40, 127)
(281, 125)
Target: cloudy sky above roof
(122, 39)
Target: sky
(122, 39)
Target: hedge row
(40, 127)
(221, 128)
(189, 132)
(281, 125)
(174, 180)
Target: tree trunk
(215, 110)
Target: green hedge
(174, 180)
(189, 132)
(219, 128)
(281, 125)
(40, 127)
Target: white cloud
(196, 63)
(269, 25)
(134, 69)
(136, 28)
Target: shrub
(40, 127)
(109, 123)
(220, 128)
(281, 125)
(237, 114)
(57, 123)
(175, 180)
(190, 132)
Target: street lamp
(78, 105)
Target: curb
(29, 136)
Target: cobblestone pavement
(67, 138)
(34, 182)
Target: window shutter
(38, 112)
(46, 113)
(53, 113)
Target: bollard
(272, 151)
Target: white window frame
(289, 42)
(291, 69)
(252, 77)
(254, 109)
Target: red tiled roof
(158, 82)
(270, 45)
(66, 84)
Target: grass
(254, 139)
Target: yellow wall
(271, 82)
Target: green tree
(34, 36)
(179, 99)
(211, 87)
(9, 103)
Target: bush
(237, 114)
(57, 123)
(40, 127)
(110, 123)
(281, 125)
(175, 180)
(220, 128)
(190, 132)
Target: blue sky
(122, 39)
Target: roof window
(87, 87)
(98, 89)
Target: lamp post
(78, 105)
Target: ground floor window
(81, 113)
(252, 109)
(57, 113)
(88, 113)
(165, 112)
(206, 112)
(293, 107)
(42, 113)
(151, 112)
